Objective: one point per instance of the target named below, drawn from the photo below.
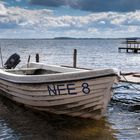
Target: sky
(69, 18)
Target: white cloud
(133, 29)
(44, 23)
(21, 17)
(3, 10)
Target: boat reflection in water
(19, 123)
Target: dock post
(127, 47)
(127, 50)
(37, 57)
(75, 58)
(28, 61)
(135, 50)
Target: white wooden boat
(60, 90)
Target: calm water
(122, 121)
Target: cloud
(93, 5)
(16, 17)
(22, 22)
(3, 10)
(54, 3)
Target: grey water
(122, 120)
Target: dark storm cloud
(52, 3)
(93, 5)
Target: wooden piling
(37, 57)
(28, 61)
(1, 57)
(75, 58)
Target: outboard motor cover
(12, 61)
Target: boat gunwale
(68, 76)
(58, 80)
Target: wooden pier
(133, 77)
(132, 45)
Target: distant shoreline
(61, 38)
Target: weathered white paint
(73, 92)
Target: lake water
(122, 120)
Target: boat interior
(34, 68)
(30, 71)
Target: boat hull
(86, 98)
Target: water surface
(122, 120)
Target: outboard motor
(12, 61)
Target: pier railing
(132, 45)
